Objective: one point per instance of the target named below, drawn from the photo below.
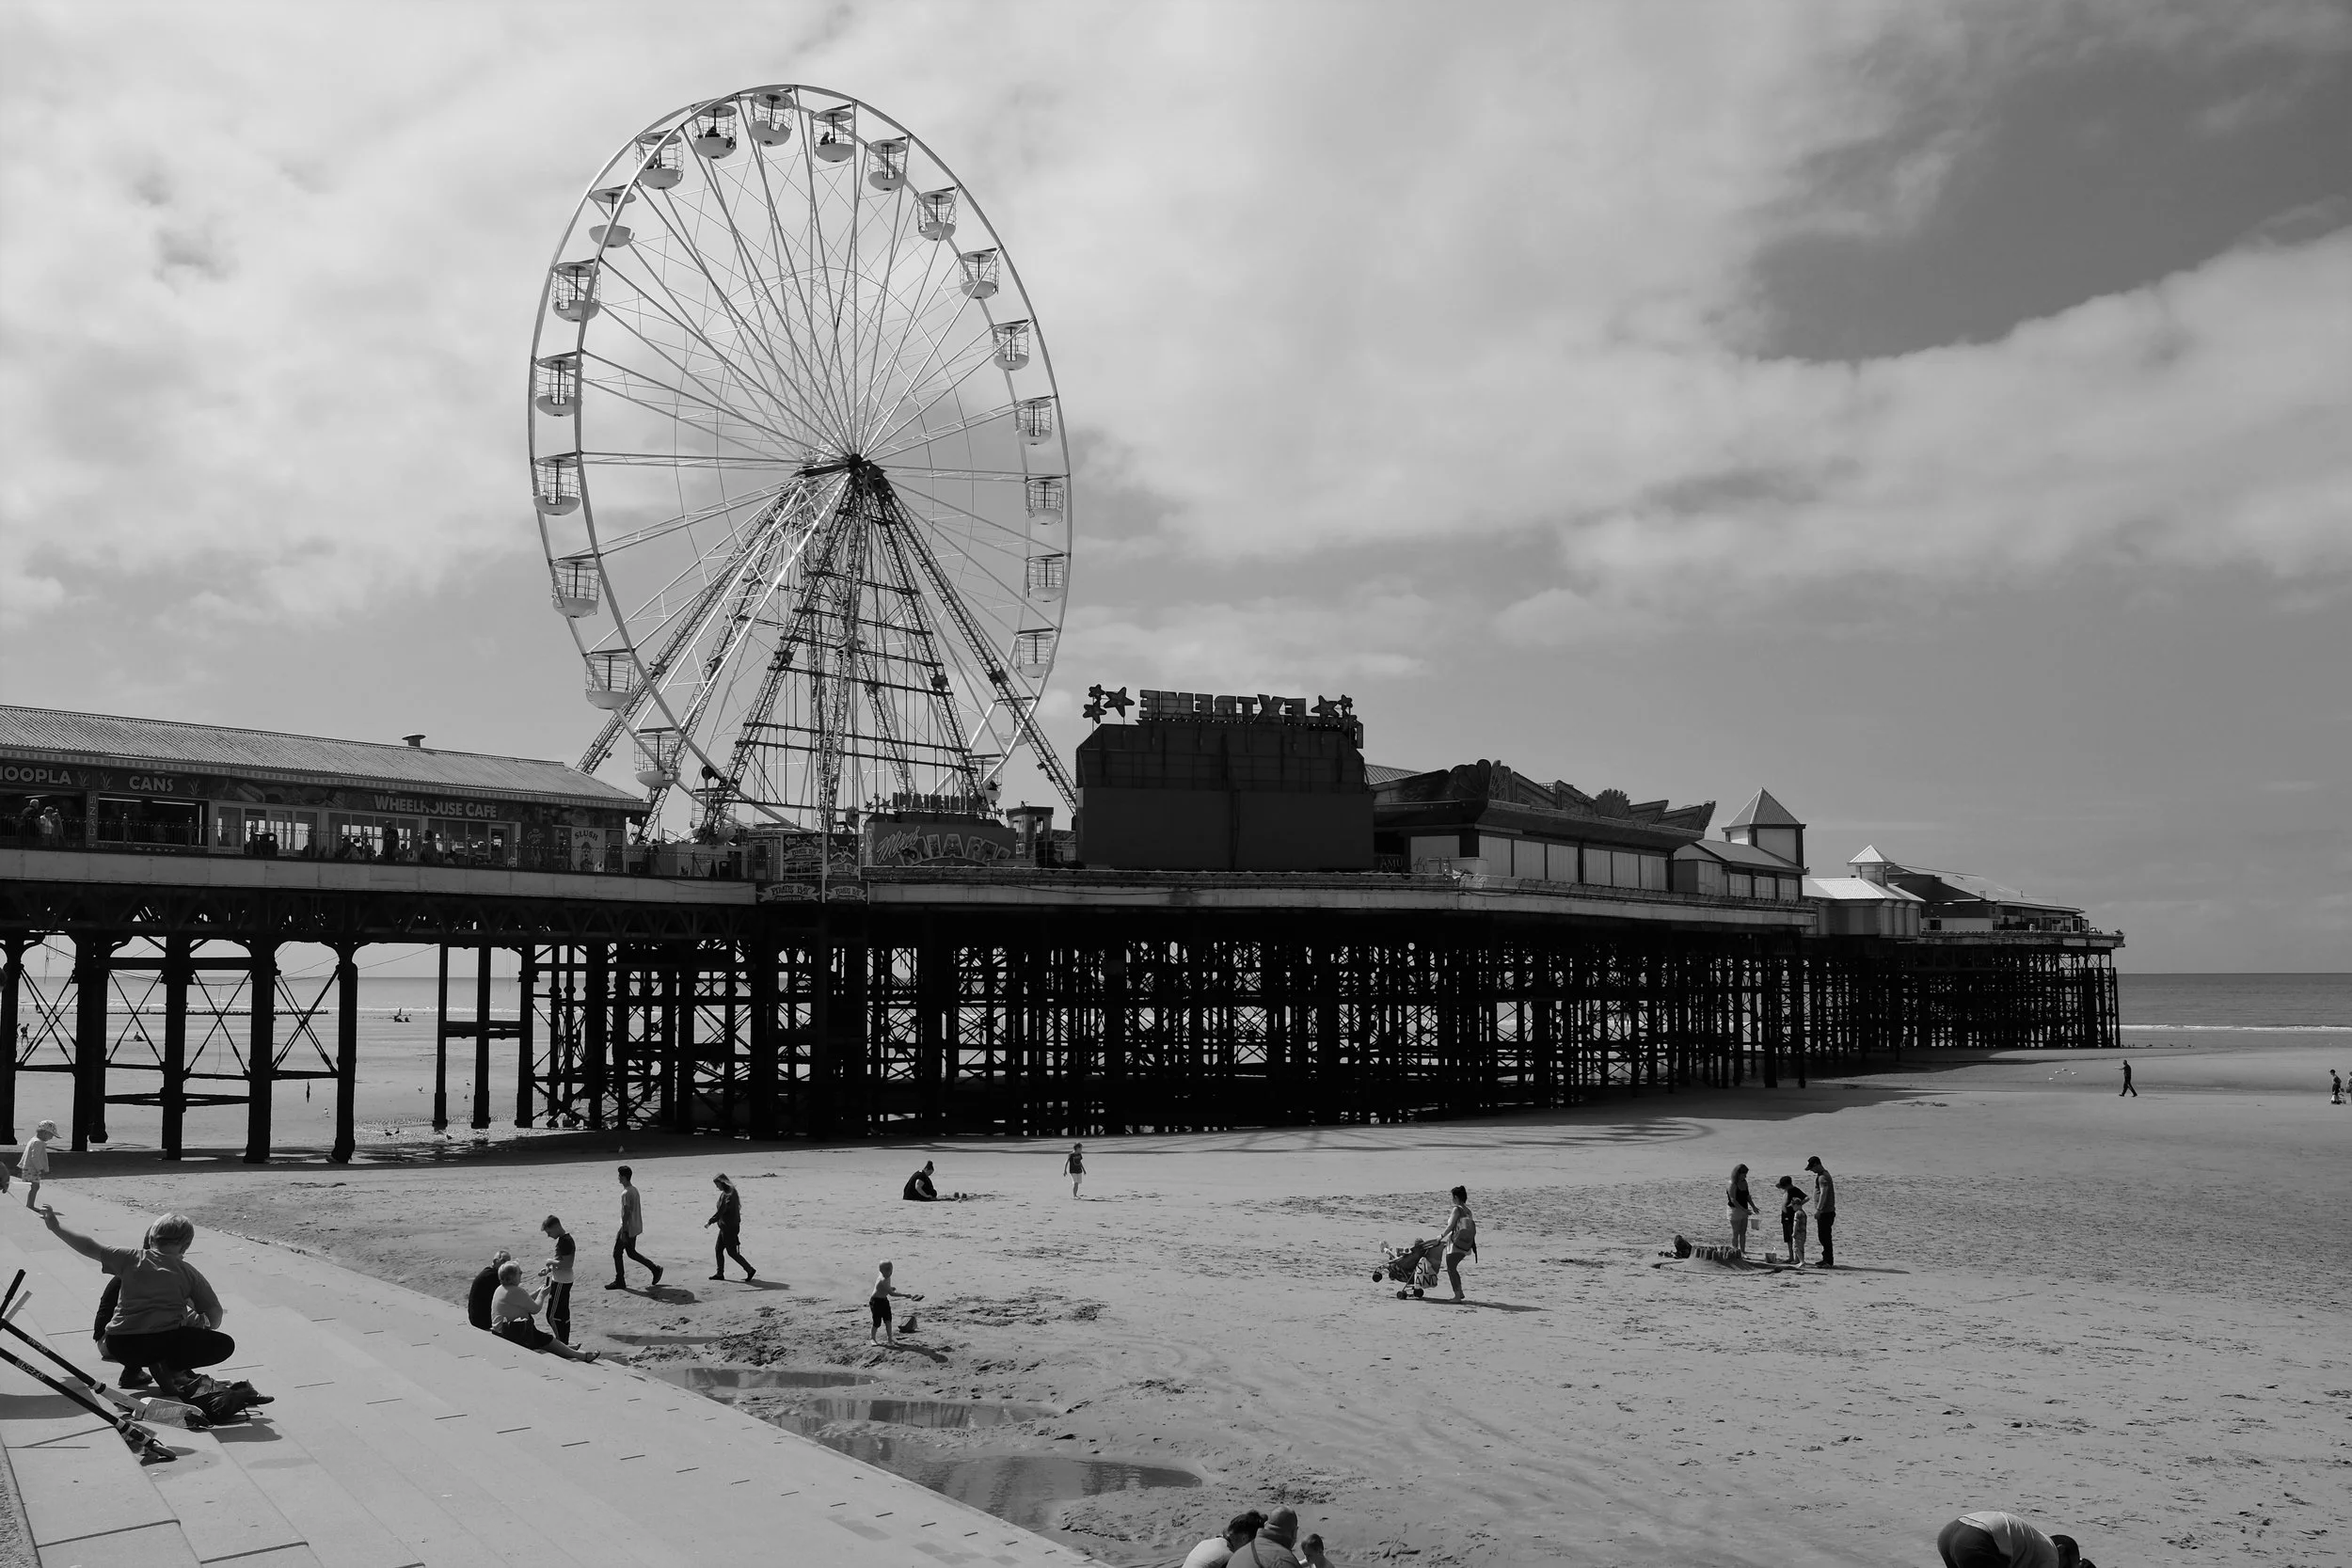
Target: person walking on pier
(1742, 1205)
(624, 1240)
(1824, 1208)
(728, 1217)
(2127, 1084)
(557, 1272)
(1075, 1167)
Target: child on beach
(877, 1304)
(1793, 1201)
(34, 1165)
(1075, 1167)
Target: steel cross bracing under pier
(1038, 1004)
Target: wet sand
(2126, 1318)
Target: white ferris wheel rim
(630, 160)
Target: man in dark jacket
(485, 1284)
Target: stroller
(1415, 1268)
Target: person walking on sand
(1460, 1240)
(1075, 1167)
(1737, 1199)
(624, 1240)
(728, 1217)
(1792, 1219)
(2127, 1088)
(878, 1304)
(33, 1165)
(1824, 1208)
(2335, 1093)
(556, 1274)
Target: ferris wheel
(799, 469)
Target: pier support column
(179, 972)
(760, 959)
(482, 1043)
(261, 1051)
(91, 967)
(441, 1048)
(346, 1054)
(12, 986)
(526, 1069)
(599, 1017)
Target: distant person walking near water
(877, 1304)
(1075, 1167)
(33, 1164)
(624, 1240)
(1460, 1239)
(2335, 1096)
(1791, 1218)
(728, 1217)
(2127, 1088)
(1824, 1208)
(1742, 1205)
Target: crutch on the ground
(135, 1437)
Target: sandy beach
(2126, 1318)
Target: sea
(2254, 1002)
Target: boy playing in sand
(877, 1304)
(34, 1165)
(1075, 1167)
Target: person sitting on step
(511, 1312)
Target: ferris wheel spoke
(898, 478)
(782, 405)
(759, 287)
(963, 369)
(619, 388)
(884, 297)
(882, 453)
(725, 302)
(917, 320)
(652, 531)
(809, 263)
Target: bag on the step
(171, 1413)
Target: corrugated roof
(1380, 772)
(102, 739)
(1739, 854)
(1855, 890)
(1764, 812)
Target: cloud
(1287, 642)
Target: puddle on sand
(938, 1415)
(1018, 1488)
(721, 1381)
(1022, 1489)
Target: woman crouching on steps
(166, 1318)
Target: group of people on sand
(499, 1304)
(1255, 1540)
(1793, 1199)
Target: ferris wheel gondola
(800, 469)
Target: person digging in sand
(1792, 1202)
(1991, 1539)
(919, 1188)
(728, 1217)
(877, 1304)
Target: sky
(1940, 415)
